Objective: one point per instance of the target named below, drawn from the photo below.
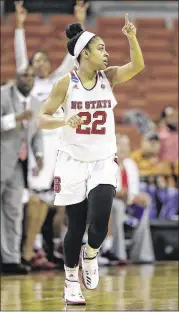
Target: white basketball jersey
(95, 139)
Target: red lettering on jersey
(105, 103)
(76, 105)
(99, 104)
(109, 103)
(92, 104)
(73, 105)
(87, 105)
(99, 122)
(79, 105)
(86, 121)
(100, 119)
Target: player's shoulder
(64, 80)
(106, 75)
(62, 83)
(110, 72)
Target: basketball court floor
(131, 288)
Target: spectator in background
(139, 119)
(41, 185)
(148, 159)
(130, 207)
(158, 178)
(168, 133)
(18, 135)
(167, 198)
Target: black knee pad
(100, 203)
(99, 206)
(102, 191)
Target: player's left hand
(129, 29)
(80, 11)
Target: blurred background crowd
(146, 127)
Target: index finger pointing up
(126, 19)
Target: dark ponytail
(73, 33)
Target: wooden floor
(131, 288)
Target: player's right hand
(129, 29)
(74, 121)
(21, 13)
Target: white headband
(81, 43)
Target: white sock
(90, 252)
(85, 238)
(71, 274)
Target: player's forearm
(46, 121)
(136, 56)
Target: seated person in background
(128, 196)
(168, 134)
(147, 157)
(166, 197)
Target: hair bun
(73, 30)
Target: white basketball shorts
(74, 179)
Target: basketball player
(86, 172)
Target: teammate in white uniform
(43, 85)
(85, 175)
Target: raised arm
(67, 64)
(19, 38)
(119, 74)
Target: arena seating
(150, 91)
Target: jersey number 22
(99, 119)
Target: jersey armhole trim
(105, 77)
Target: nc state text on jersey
(91, 104)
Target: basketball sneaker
(90, 271)
(72, 293)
